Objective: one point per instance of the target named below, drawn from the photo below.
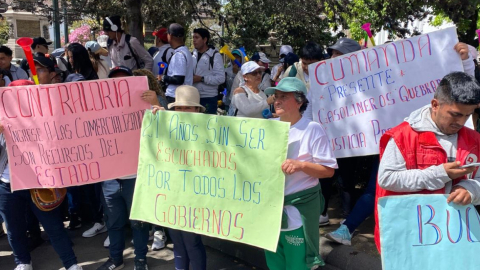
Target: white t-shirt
(308, 142)
(103, 69)
(181, 64)
(158, 57)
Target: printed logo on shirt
(471, 158)
(294, 240)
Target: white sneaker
(106, 243)
(96, 229)
(324, 220)
(24, 267)
(159, 239)
(75, 267)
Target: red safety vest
(422, 150)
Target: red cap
(161, 34)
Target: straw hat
(186, 95)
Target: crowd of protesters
(202, 82)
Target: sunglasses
(256, 72)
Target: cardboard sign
(70, 134)
(424, 232)
(213, 175)
(359, 96)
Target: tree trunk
(134, 18)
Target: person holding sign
(117, 203)
(309, 158)
(12, 209)
(428, 152)
(187, 247)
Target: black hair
(458, 87)
(81, 61)
(289, 60)
(6, 73)
(312, 51)
(203, 33)
(301, 99)
(6, 50)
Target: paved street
(91, 254)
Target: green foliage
(440, 19)
(248, 23)
(4, 29)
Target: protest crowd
(203, 81)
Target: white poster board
(359, 96)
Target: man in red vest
(425, 154)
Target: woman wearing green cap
(309, 158)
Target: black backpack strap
(212, 59)
(164, 56)
(127, 40)
(166, 70)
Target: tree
(395, 15)
(153, 12)
(248, 23)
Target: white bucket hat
(186, 95)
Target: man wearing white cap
(284, 50)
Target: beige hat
(186, 95)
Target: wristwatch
(203, 79)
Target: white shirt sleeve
(321, 150)
(178, 65)
(394, 176)
(469, 66)
(142, 53)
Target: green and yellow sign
(213, 175)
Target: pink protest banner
(71, 134)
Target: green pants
(291, 252)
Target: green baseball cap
(288, 84)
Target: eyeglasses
(256, 72)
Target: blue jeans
(365, 204)
(90, 194)
(118, 196)
(210, 105)
(188, 248)
(13, 207)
